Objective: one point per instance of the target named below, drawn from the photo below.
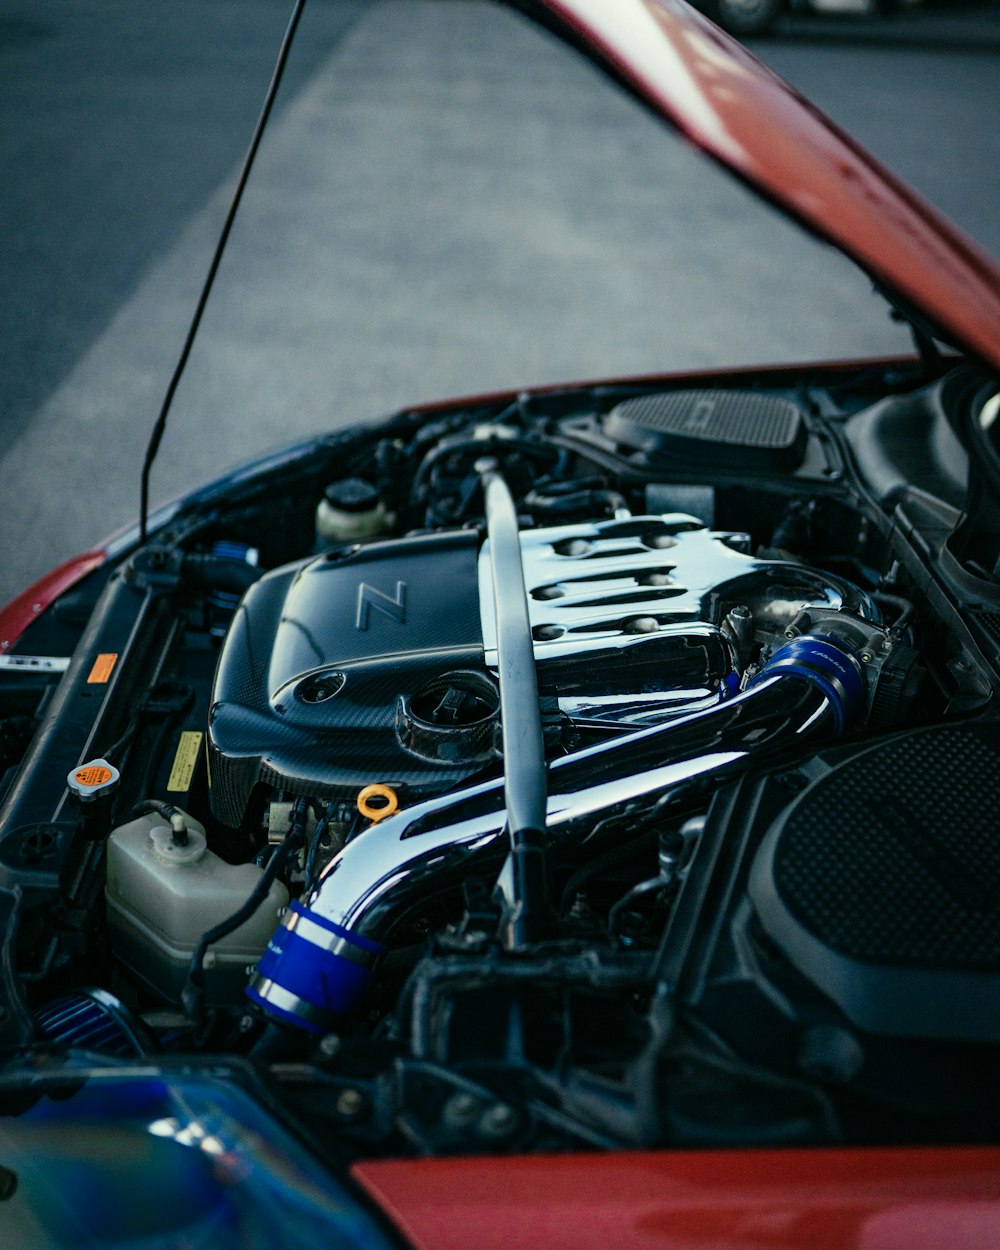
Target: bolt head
(461, 1110)
(498, 1121)
(350, 1103)
(830, 1054)
(329, 1045)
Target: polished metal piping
(811, 685)
(403, 861)
(433, 845)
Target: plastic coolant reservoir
(349, 510)
(162, 897)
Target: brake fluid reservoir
(161, 897)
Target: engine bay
(603, 767)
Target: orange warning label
(93, 775)
(104, 666)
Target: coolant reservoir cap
(351, 494)
(93, 780)
(170, 852)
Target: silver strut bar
(522, 878)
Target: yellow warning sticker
(93, 775)
(104, 666)
(185, 761)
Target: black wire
(645, 825)
(157, 806)
(312, 855)
(459, 444)
(595, 867)
(128, 734)
(631, 896)
(220, 247)
(154, 751)
(193, 994)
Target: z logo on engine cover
(369, 597)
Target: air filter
(737, 429)
(93, 1020)
(881, 884)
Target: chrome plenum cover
(619, 609)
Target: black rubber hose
(168, 811)
(220, 573)
(193, 994)
(601, 863)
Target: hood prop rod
(521, 883)
(206, 290)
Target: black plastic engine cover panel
(822, 936)
(741, 429)
(891, 905)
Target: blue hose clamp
(824, 663)
(313, 971)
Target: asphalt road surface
(446, 202)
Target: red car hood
(710, 88)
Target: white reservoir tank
(161, 897)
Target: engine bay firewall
(380, 659)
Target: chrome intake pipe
(320, 960)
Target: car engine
(598, 767)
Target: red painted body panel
(710, 88)
(20, 612)
(875, 1199)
